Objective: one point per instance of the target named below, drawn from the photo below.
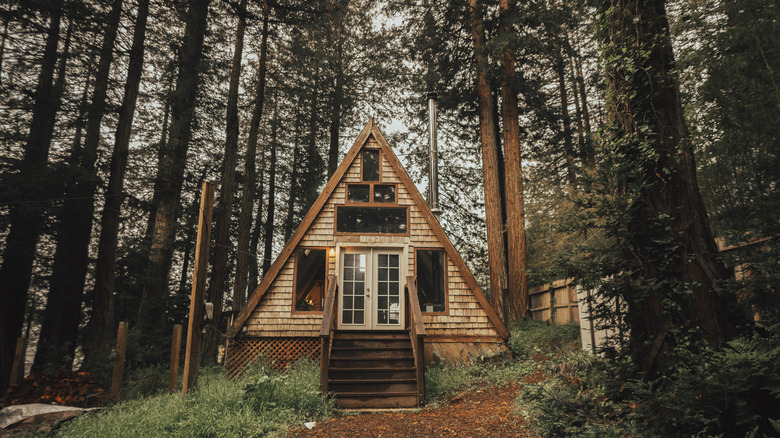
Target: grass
(264, 403)
(218, 407)
(529, 340)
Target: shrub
(541, 337)
(734, 391)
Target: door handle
(368, 291)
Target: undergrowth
(530, 342)
(257, 404)
(734, 391)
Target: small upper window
(310, 279)
(370, 165)
(384, 193)
(358, 193)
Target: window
(368, 193)
(384, 193)
(358, 193)
(310, 269)
(370, 165)
(431, 280)
(389, 220)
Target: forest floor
(485, 411)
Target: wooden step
(370, 335)
(352, 386)
(372, 362)
(377, 400)
(372, 373)
(371, 343)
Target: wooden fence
(555, 302)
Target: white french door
(371, 289)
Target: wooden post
(173, 375)
(119, 362)
(195, 324)
(17, 369)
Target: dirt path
(485, 412)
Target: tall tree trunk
(568, 145)
(269, 223)
(588, 154)
(59, 330)
(294, 177)
(492, 187)
(151, 312)
(101, 322)
(26, 220)
(222, 245)
(515, 207)
(244, 252)
(581, 138)
(338, 91)
(2, 47)
(256, 263)
(666, 212)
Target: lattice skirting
(277, 353)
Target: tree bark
(515, 226)
(493, 207)
(269, 223)
(244, 252)
(59, 330)
(101, 323)
(26, 220)
(222, 244)
(649, 131)
(151, 312)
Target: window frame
(294, 298)
(446, 310)
(371, 202)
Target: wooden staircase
(373, 369)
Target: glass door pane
(388, 306)
(353, 303)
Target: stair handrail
(417, 335)
(326, 330)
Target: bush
(541, 337)
(734, 391)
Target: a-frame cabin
(370, 286)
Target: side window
(310, 269)
(431, 280)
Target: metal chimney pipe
(433, 174)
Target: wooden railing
(417, 334)
(326, 330)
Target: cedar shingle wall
(273, 316)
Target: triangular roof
(371, 129)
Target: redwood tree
(101, 322)
(490, 163)
(517, 263)
(26, 220)
(151, 312)
(219, 262)
(669, 274)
